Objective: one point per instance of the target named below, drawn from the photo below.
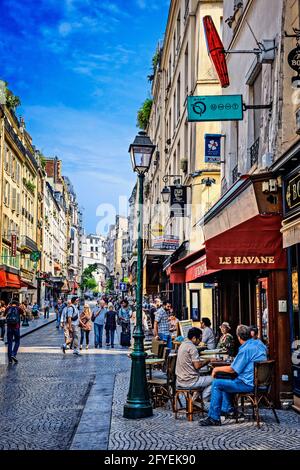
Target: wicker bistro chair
(162, 388)
(263, 379)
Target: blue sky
(80, 68)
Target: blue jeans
(98, 332)
(221, 395)
(58, 318)
(167, 338)
(13, 335)
(110, 337)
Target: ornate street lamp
(166, 193)
(138, 403)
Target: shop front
(291, 241)
(245, 265)
(10, 284)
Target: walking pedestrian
(46, 309)
(2, 320)
(58, 310)
(162, 324)
(110, 325)
(85, 325)
(98, 318)
(65, 325)
(125, 314)
(72, 318)
(13, 320)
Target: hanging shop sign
(13, 247)
(35, 256)
(166, 242)
(212, 148)
(216, 50)
(178, 201)
(215, 108)
(294, 59)
(292, 192)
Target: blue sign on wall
(123, 286)
(213, 148)
(215, 108)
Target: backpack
(74, 317)
(13, 316)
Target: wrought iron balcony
(26, 243)
(254, 152)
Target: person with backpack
(72, 319)
(13, 319)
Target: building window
(186, 71)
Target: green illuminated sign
(35, 256)
(215, 108)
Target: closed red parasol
(216, 50)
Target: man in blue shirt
(250, 351)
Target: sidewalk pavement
(37, 324)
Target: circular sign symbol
(228, 106)
(221, 107)
(199, 107)
(213, 107)
(294, 59)
(235, 106)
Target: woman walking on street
(85, 324)
(110, 325)
(2, 320)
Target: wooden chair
(162, 389)
(263, 379)
(189, 409)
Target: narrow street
(43, 397)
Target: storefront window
(295, 252)
(262, 309)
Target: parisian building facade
(40, 222)
(235, 256)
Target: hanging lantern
(216, 50)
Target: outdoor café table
(153, 362)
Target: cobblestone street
(50, 401)
(43, 397)
(163, 432)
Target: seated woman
(226, 341)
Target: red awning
(254, 244)
(9, 280)
(177, 270)
(198, 271)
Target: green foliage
(155, 64)
(28, 185)
(87, 279)
(91, 284)
(12, 101)
(143, 115)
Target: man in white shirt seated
(188, 365)
(208, 336)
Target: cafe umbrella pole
(138, 402)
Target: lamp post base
(137, 411)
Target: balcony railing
(28, 243)
(254, 152)
(19, 144)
